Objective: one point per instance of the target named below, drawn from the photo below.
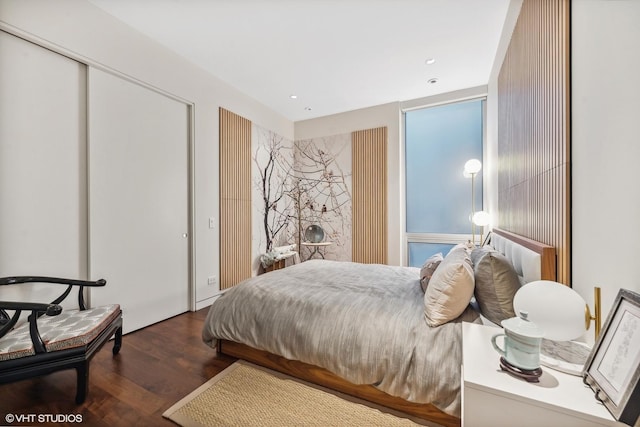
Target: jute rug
(248, 395)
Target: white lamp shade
(472, 166)
(554, 307)
(481, 218)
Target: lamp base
(531, 376)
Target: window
(438, 142)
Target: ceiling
(334, 55)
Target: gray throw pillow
(428, 268)
(496, 283)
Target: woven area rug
(248, 395)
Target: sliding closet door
(43, 220)
(138, 199)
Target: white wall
(86, 33)
(605, 147)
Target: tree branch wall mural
(297, 184)
(274, 163)
(323, 167)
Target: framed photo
(613, 367)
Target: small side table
(491, 397)
(316, 248)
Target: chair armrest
(49, 309)
(37, 309)
(15, 280)
(44, 279)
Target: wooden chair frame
(45, 362)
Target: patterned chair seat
(69, 329)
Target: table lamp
(564, 316)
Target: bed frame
(322, 377)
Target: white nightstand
(492, 398)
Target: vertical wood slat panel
(533, 129)
(235, 199)
(369, 169)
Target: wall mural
(323, 169)
(297, 184)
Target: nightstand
(491, 397)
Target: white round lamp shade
(472, 166)
(481, 218)
(555, 308)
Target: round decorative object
(314, 234)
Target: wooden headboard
(544, 266)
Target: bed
(293, 321)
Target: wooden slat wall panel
(235, 199)
(533, 129)
(369, 169)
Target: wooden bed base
(324, 378)
(329, 380)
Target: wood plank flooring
(156, 367)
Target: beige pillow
(496, 284)
(428, 268)
(450, 288)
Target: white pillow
(450, 288)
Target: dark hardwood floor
(156, 367)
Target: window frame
(438, 238)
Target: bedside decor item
(565, 316)
(521, 353)
(314, 234)
(613, 368)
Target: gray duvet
(363, 322)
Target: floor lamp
(481, 219)
(471, 169)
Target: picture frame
(612, 369)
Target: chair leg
(117, 341)
(82, 382)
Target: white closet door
(138, 199)
(43, 225)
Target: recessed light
(430, 61)
(432, 81)
(293, 96)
